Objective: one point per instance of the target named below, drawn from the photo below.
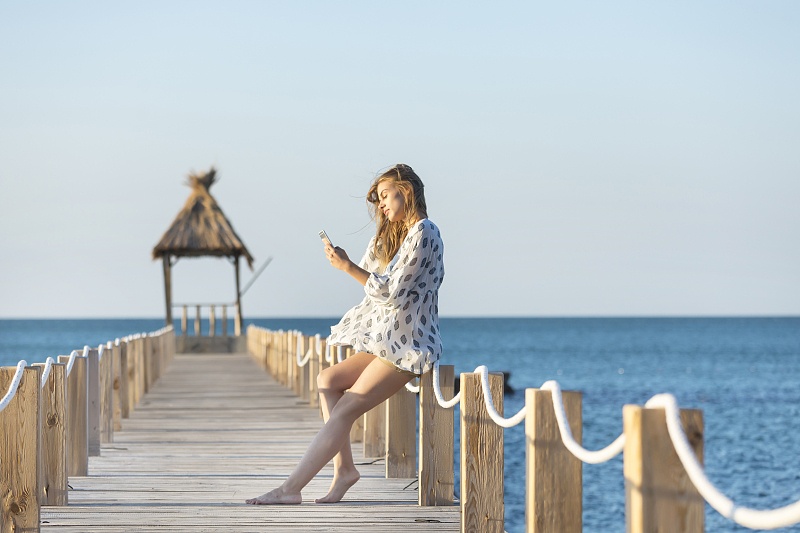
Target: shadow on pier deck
(213, 431)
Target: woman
(394, 330)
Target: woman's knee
(324, 379)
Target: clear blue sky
(580, 158)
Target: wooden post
(124, 379)
(197, 325)
(77, 416)
(291, 360)
(147, 363)
(116, 386)
(401, 435)
(212, 321)
(658, 493)
(554, 491)
(375, 431)
(93, 402)
(167, 287)
(305, 370)
(20, 452)
(313, 371)
(481, 457)
(184, 321)
(436, 426)
(237, 321)
(141, 367)
(106, 394)
(53, 488)
(133, 349)
(224, 320)
(238, 324)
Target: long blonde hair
(390, 235)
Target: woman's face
(391, 201)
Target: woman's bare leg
(332, 383)
(376, 383)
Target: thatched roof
(201, 228)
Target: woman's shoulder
(425, 228)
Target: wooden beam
(238, 325)
(167, 288)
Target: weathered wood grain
(436, 440)
(19, 452)
(481, 457)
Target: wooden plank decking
(215, 430)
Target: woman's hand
(337, 257)
(339, 260)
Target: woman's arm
(339, 260)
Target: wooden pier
(153, 441)
(213, 431)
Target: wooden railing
(659, 496)
(211, 313)
(50, 429)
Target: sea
(743, 373)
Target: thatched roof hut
(201, 229)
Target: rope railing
(587, 456)
(71, 362)
(750, 518)
(314, 349)
(58, 421)
(48, 366)
(49, 362)
(12, 389)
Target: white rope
(339, 354)
(71, 361)
(587, 456)
(412, 388)
(750, 518)
(437, 391)
(48, 366)
(487, 399)
(12, 390)
(303, 360)
(318, 339)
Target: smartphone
(324, 237)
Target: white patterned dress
(398, 319)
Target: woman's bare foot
(277, 497)
(341, 484)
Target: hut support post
(238, 325)
(168, 287)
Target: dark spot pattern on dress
(405, 325)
